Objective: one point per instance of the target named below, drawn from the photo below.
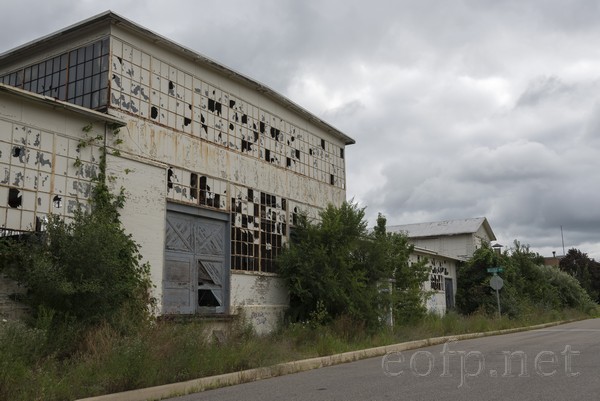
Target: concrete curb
(245, 376)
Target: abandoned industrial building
(215, 165)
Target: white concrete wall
(144, 213)
(261, 299)
(440, 267)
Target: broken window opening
(57, 201)
(203, 186)
(268, 155)
(331, 179)
(187, 121)
(14, 198)
(17, 151)
(207, 298)
(246, 146)
(170, 178)
(323, 143)
(154, 112)
(194, 186)
(341, 153)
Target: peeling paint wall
(43, 168)
(228, 149)
(195, 135)
(262, 299)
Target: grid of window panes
(39, 176)
(245, 229)
(259, 229)
(79, 76)
(156, 89)
(186, 186)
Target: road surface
(556, 363)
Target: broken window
(57, 201)
(207, 282)
(14, 198)
(258, 230)
(207, 298)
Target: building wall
(460, 246)
(441, 268)
(43, 170)
(203, 127)
(196, 134)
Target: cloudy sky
(458, 108)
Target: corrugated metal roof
(446, 227)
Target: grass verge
(105, 361)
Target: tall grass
(103, 360)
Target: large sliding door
(196, 270)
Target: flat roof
(116, 19)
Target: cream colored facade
(456, 238)
(216, 166)
(441, 285)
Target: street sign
(495, 269)
(496, 282)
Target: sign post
(496, 283)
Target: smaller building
(553, 260)
(455, 238)
(441, 285)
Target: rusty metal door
(195, 276)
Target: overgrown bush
(337, 267)
(528, 285)
(83, 271)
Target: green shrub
(83, 271)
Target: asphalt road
(557, 363)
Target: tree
(585, 270)
(338, 268)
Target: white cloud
(459, 108)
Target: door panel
(178, 284)
(449, 287)
(196, 276)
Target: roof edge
(52, 102)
